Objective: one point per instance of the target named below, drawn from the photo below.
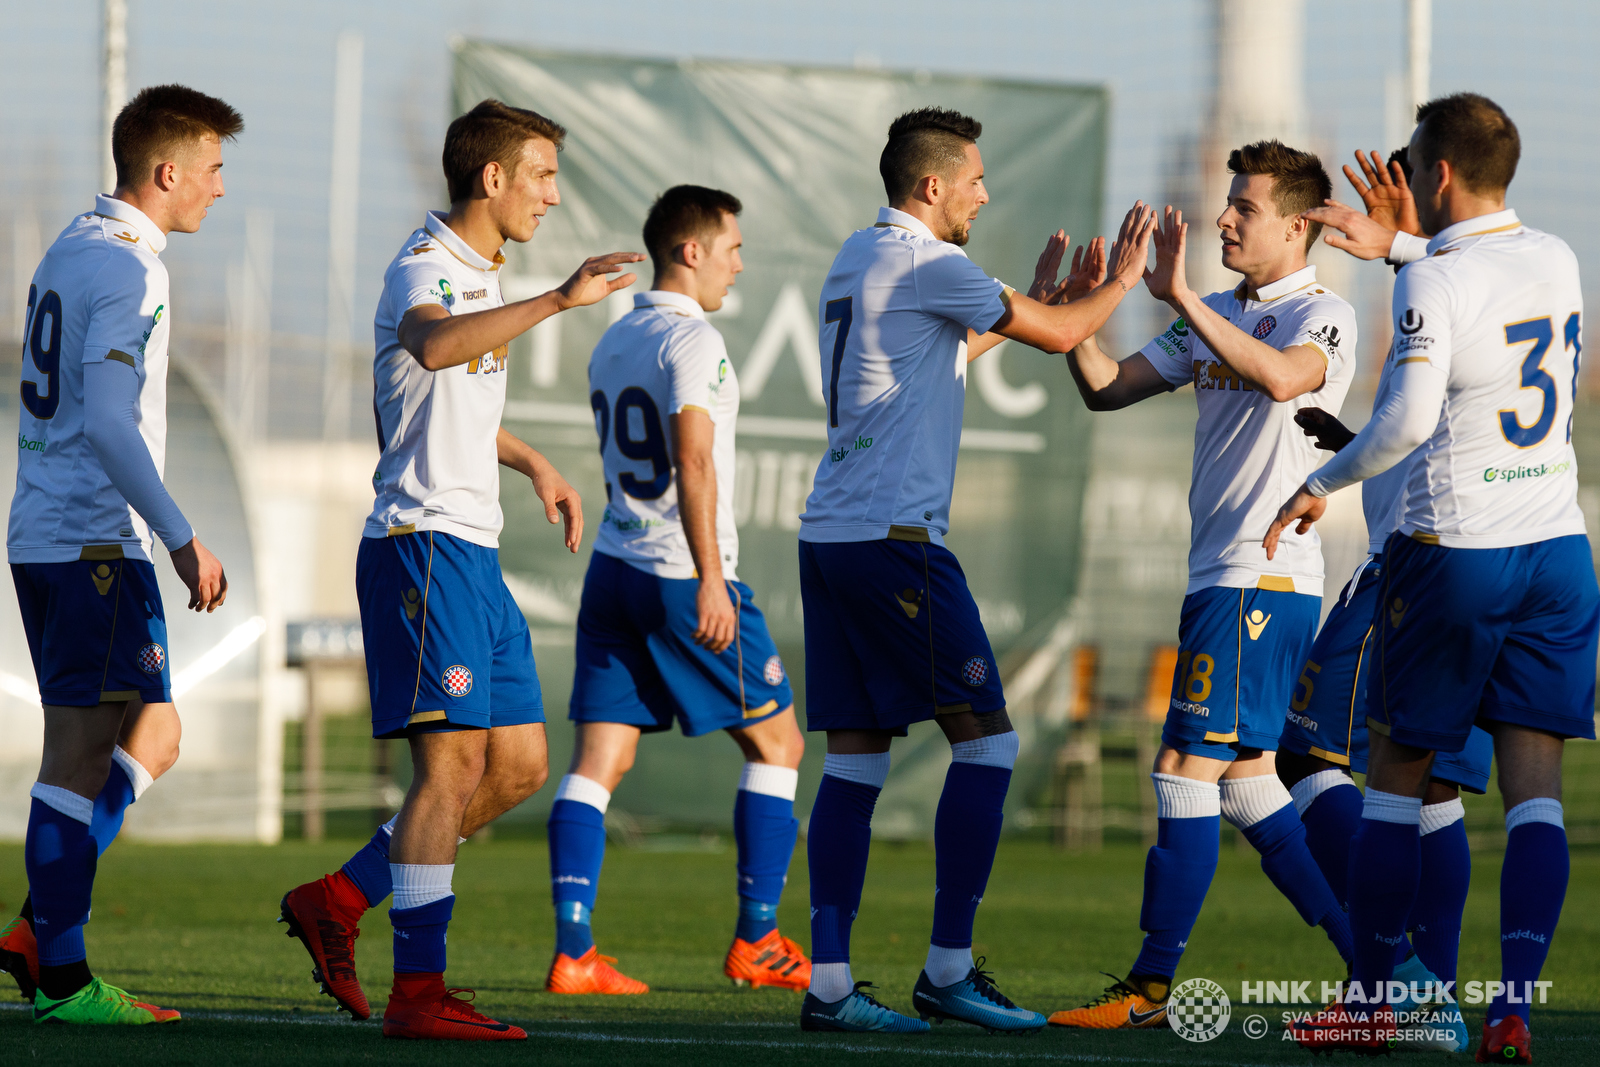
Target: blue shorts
(95, 629)
(1238, 650)
(892, 637)
(447, 648)
(1327, 713)
(1484, 635)
(637, 661)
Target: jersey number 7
(837, 311)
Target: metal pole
(312, 759)
(343, 207)
(1419, 41)
(116, 84)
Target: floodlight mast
(114, 78)
(1419, 42)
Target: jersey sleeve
(126, 299)
(950, 285)
(1328, 325)
(414, 282)
(1171, 353)
(698, 363)
(1422, 317)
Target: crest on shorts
(152, 658)
(772, 673)
(975, 671)
(457, 680)
(1265, 327)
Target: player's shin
(837, 844)
(1435, 922)
(577, 831)
(1264, 812)
(1533, 886)
(1385, 861)
(60, 856)
(1177, 871)
(966, 832)
(765, 830)
(1330, 808)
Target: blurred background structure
(1075, 532)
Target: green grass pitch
(192, 927)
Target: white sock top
(996, 750)
(416, 884)
(65, 801)
(947, 966)
(770, 780)
(1389, 807)
(388, 827)
(864, 768)
(584, 791)
(138, 777)
(1438, 816)
(1308, 789)
(1539, 809)
(831, 982)
(1246, 801)
(1185, 798)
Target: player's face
(964, 196)
(527, 192)
(721, 265)
(1253, 234)
(197, 183)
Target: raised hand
(1044, 288)
(590, 283)
(1330, 434)
(1167, 281)
(1361, 235)
(1088, 271)
(1125, 262)
(1385, 194)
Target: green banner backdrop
(800, 147)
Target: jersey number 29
(46, 356)
(651, 447)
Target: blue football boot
(857, 1013)
(974, 1000)
(1436, 1022)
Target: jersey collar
(1282, 287)
(888, 216)
(111, 208)
(1494, 222)
(453, 244)
(677, 302)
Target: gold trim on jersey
(765, 709)
(1498, 229)
(1412, 359)
(100, 552)
(121, 357)
(908, 533)
(1319, 350)
(951, 709)
(1224, 738)
(1242, 293)
(694, 407)
(1424, 538)
(665, 307)
(108, 696)
(427, 716)
(499, 260)
(1275, 583)
(896, 225)
(1381, 727)
(1331, 757)
(1006, 293)
(400, 531)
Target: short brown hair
(930, 140)
(160, 119)
(682, 213)
(1299, 181)
(491, 132)
(1476, 137)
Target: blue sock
(1281, 840)
(836, 853)
(1177, 874)
(1381, 899)
(1441, 898)
(577, 849)
(1533, 885)
(1330, 823)
(60, 857)
(765, 829)
(110, 807)
(419, 935)
(369, 868)
(966, 832)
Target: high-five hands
(1385, 194)
(1125, 263)
(1167, 281)
(1044, 288)
(590, 283)
(1088, 270)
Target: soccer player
(892, 632)
(1489, 611)
(666, 630)
(89, 497)
(1256, 355)
(449, 658)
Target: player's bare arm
(561, 501)
(438, 339)
(1282, 374)
(692, 436)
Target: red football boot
(590, 973)
(1505, 1042)
(323, 915)
(19, 955)
(773, 960)
(1367, 1032)
(421, 1007)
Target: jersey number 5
(1541, 332)
(46, 356)
(837, 311)
(652, 446)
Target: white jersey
(99, 293)
(895, 311)
(440, 467)
(1249, 456)
(1496, 306)
(660, 359)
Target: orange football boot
(323, 915)
(421, 1007)
(1126, 1005)
(1366, 1033)
(1506, 1041)
(19, 955)
(773, 960)
(589, 973)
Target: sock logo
(1395, 940)
(1397, 613)
(1525, 935)
(102, 579)
(570, 879)
(1255, 622)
